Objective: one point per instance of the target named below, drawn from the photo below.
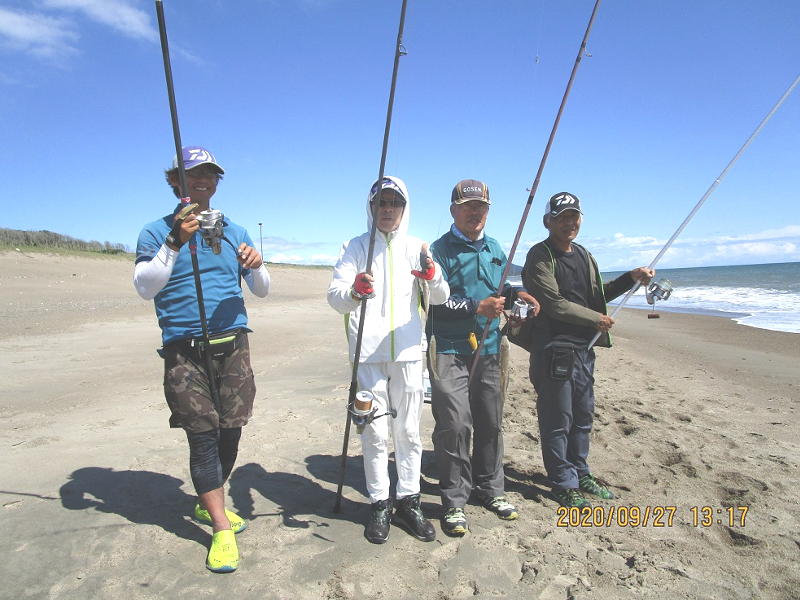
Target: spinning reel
(659, 290)
(211, 225)
(362, 412)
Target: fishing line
(399, 51)
(538, 46)
(535, 185)
(702, 200)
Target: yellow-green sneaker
(238, 524)
(223, 556)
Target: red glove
(429, 271)
(362, 287)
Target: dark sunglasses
(395, 203)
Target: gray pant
(467, 413)
(565, 410)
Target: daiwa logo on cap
(565, 199)
(200, 155)
(194, 156)
(561, 202)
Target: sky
(291, 96)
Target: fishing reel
(518, 315)
(658, 290)
(211, 225)
(362, 413)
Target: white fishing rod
(700, 203)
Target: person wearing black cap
(469, 413)
(164, 273)
(565, 278)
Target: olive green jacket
(538, 278)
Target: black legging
(212, 455)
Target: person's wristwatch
(174, 238)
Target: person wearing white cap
(565, 278)
(164, 273)
(390, 358)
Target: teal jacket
(472, 276)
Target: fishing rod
(533, 189)
(701, 202)
(398, 52)
(185, 200)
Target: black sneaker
(377, 530)
(408, 514)
(499, 506)
(570, 498)
(589, 484)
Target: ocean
(761, 296)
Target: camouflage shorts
(187, 392)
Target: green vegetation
(56, 243)
(47, 242)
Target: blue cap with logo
(194, 156)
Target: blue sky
(291, 96)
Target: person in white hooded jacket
(393, 290)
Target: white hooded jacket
(393, 326)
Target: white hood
(402, 229)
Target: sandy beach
(692, 412)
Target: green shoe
(500, 506)
(570, 498)
(238, 524)
(223, 556)
(597, 487)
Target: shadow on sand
(141, 497)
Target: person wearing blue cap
(390, 291)
(164, 273)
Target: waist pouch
(221, 344)
(562, 361)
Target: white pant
(402, 382)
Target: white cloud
(296, 259)
(323, 259)
(117, 14)
(283, 258)
(46, 33)
(774, 245)
(622, 240)
(790, 231)
(42, 36)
